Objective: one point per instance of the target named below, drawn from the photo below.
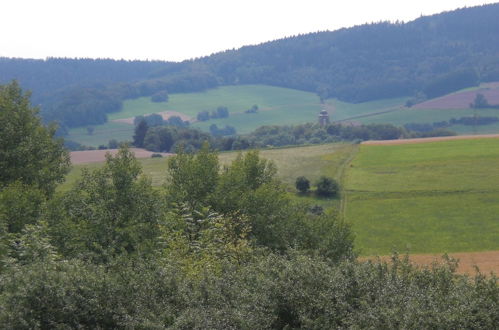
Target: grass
(411, 115)
(425, 198)
(310, 161)
(277, 106)
(343, 110)
(102, 134)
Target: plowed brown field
(96, 156)
(487, 261)
(432, 139)
(462, 100)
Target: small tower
(323, 118)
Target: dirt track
(432, 139)
(487, 261)
(96, 156)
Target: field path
(431, 139)
(487, 261)
(340, 176)
(371, 114)
(97, 156)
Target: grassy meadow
(309, 161)
(424, 198)
(277, 106)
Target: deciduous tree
(29, 152)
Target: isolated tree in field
(29, 153)
(327, 187)
(480, 102)
(302, 184)
(140, 134)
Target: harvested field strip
(432, 139)
(97, 156)
(486, 261)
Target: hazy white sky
(181, 29)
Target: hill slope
(431, 55)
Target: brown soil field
(164, 114)
(431, 139)
(487, 261)
(96, 156)
(462, 100)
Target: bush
(327, 187)
(156, 155)
(302, 184)
(161, 96)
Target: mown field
(308, 161)
(425, 198)
(277, 106)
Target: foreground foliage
(270, 292)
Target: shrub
(302, 184)
(327, 187)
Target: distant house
(323, 118)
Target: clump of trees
(327, 187)
(223, 131)
(215, 247)
(481, 102)
(220, 112)
(161, 96)
(324, 187)
(253, 109)
(157, 120)
(431, 129)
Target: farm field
(310, 161)
(277, 106)
(102, 134)
(432, 197)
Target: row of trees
(216, 247)
(438, 125)
(168, 138)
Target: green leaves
(28, 151)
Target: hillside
(429, 57)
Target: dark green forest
(428, 57)
(216, 247)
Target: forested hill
(434, 54)
(427, 57)
(45, 77)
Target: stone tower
(323, 118)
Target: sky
(175, 30)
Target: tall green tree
(29, 151)
(110, 211)
(140, 133)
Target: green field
(309, 161)
(425, 198)
(278, 106)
